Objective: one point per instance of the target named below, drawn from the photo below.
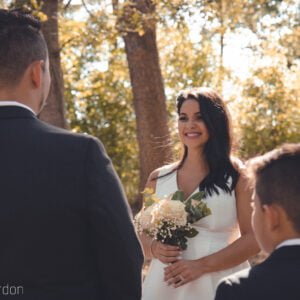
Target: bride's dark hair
(217, 150)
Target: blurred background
(117, 66)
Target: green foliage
(190, 70)
(97, 93)
(175, 237)
(97, 85)
(194, 206)
(99, 102)
(269, 113)
(196, 209)
(178, 196)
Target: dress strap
(167, 184)
(166, 169)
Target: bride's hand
(165, 253)
(182, 272)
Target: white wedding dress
(216, 231)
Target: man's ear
(36, 73)
(272, 216)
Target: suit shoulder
(233, 286)
(236, 278)
(65, 141)
(245, 279)
(67, 135)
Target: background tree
(137, 24)
(47, 11)
(193, 40)
(269, 105)
(54, 111)
(97, 89)
(272, 113)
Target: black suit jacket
(65, 226)
(277, 278)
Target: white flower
(170, 211)
(144, 218)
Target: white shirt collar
(290, 242)
(15, 103)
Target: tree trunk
(54, 111)
(148, 94)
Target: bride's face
(191, 128)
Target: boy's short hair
(276, 178)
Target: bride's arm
(153, 248)
(145, 239)
(245, 246)
(232, 255)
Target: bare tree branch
(67, 5)
(87, 9)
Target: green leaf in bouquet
(188, 206)
(178, 195)
(189, 203)
(197, 196)
(194, 216)
(203, 209)
(192, 232)
(198, 211)
(178, 238)
(183, 244)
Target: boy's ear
(272, 216)
(36, 69)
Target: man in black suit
(65, 225)
(276, 224)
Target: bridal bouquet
(169, 219)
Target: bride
(225, 240)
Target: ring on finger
(179, 280)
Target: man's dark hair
(21, 43)
(276, 177)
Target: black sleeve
(229, 289)
(222, 291)
(118, 250)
